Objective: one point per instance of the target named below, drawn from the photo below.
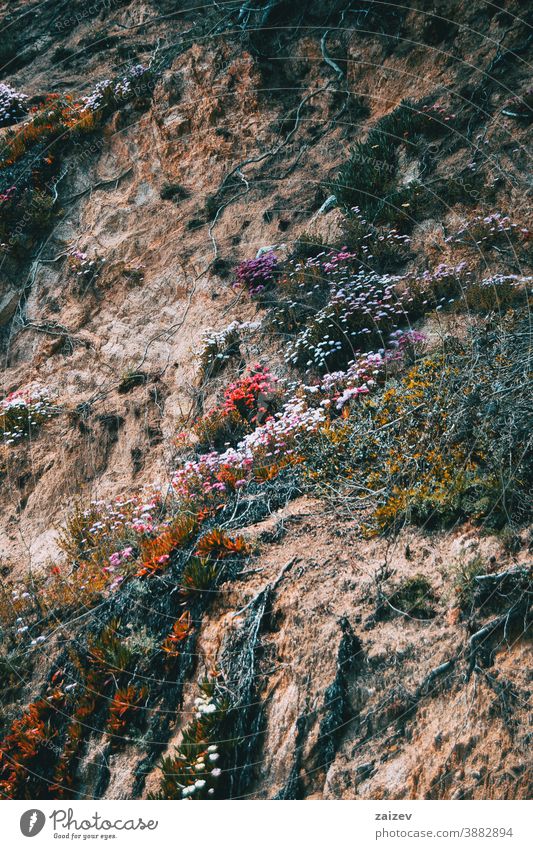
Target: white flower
(216, 772)
(214, 757)
(199, 783)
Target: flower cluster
(280, 435)
(22, 411)
(109, 91)
(436, 288)
(101, 92)
(87, 270)
(213, 473)
(219, 346)
(119, 557)
(516, 281)
(486, 230)
(435, 120)
(278, 439)
(247, 401)
(360, 378)
(244, 396)
(52, 122)
(361, 309)
(333, 261)
(124, 86)
(11, 105)
(378, 249)
(8, 194)
(132, 512)
(193, 772)
(256, 275)
(218, 473)
(106, 532)
(335, 389)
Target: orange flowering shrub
(180, 631)
(124, 710)
(28, 750)
(217, 545)
(156, 552)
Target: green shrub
(130, 380)
(218, 429)
(414, 596)
(368, 180)
(200, 575)
(380, 249)
(463, 576)
(448, 440)
(369, 173)
(173, 191)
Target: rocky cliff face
(264, 311)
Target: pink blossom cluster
(8, 194)
(366, 371)
(234, 468)
(334, 259)
(329, 262)
(30, 395)
(299, 417)
(280, 432)
(133, 513)
(360, 378)
(213, 473)
(255, 275)
(119, 557)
